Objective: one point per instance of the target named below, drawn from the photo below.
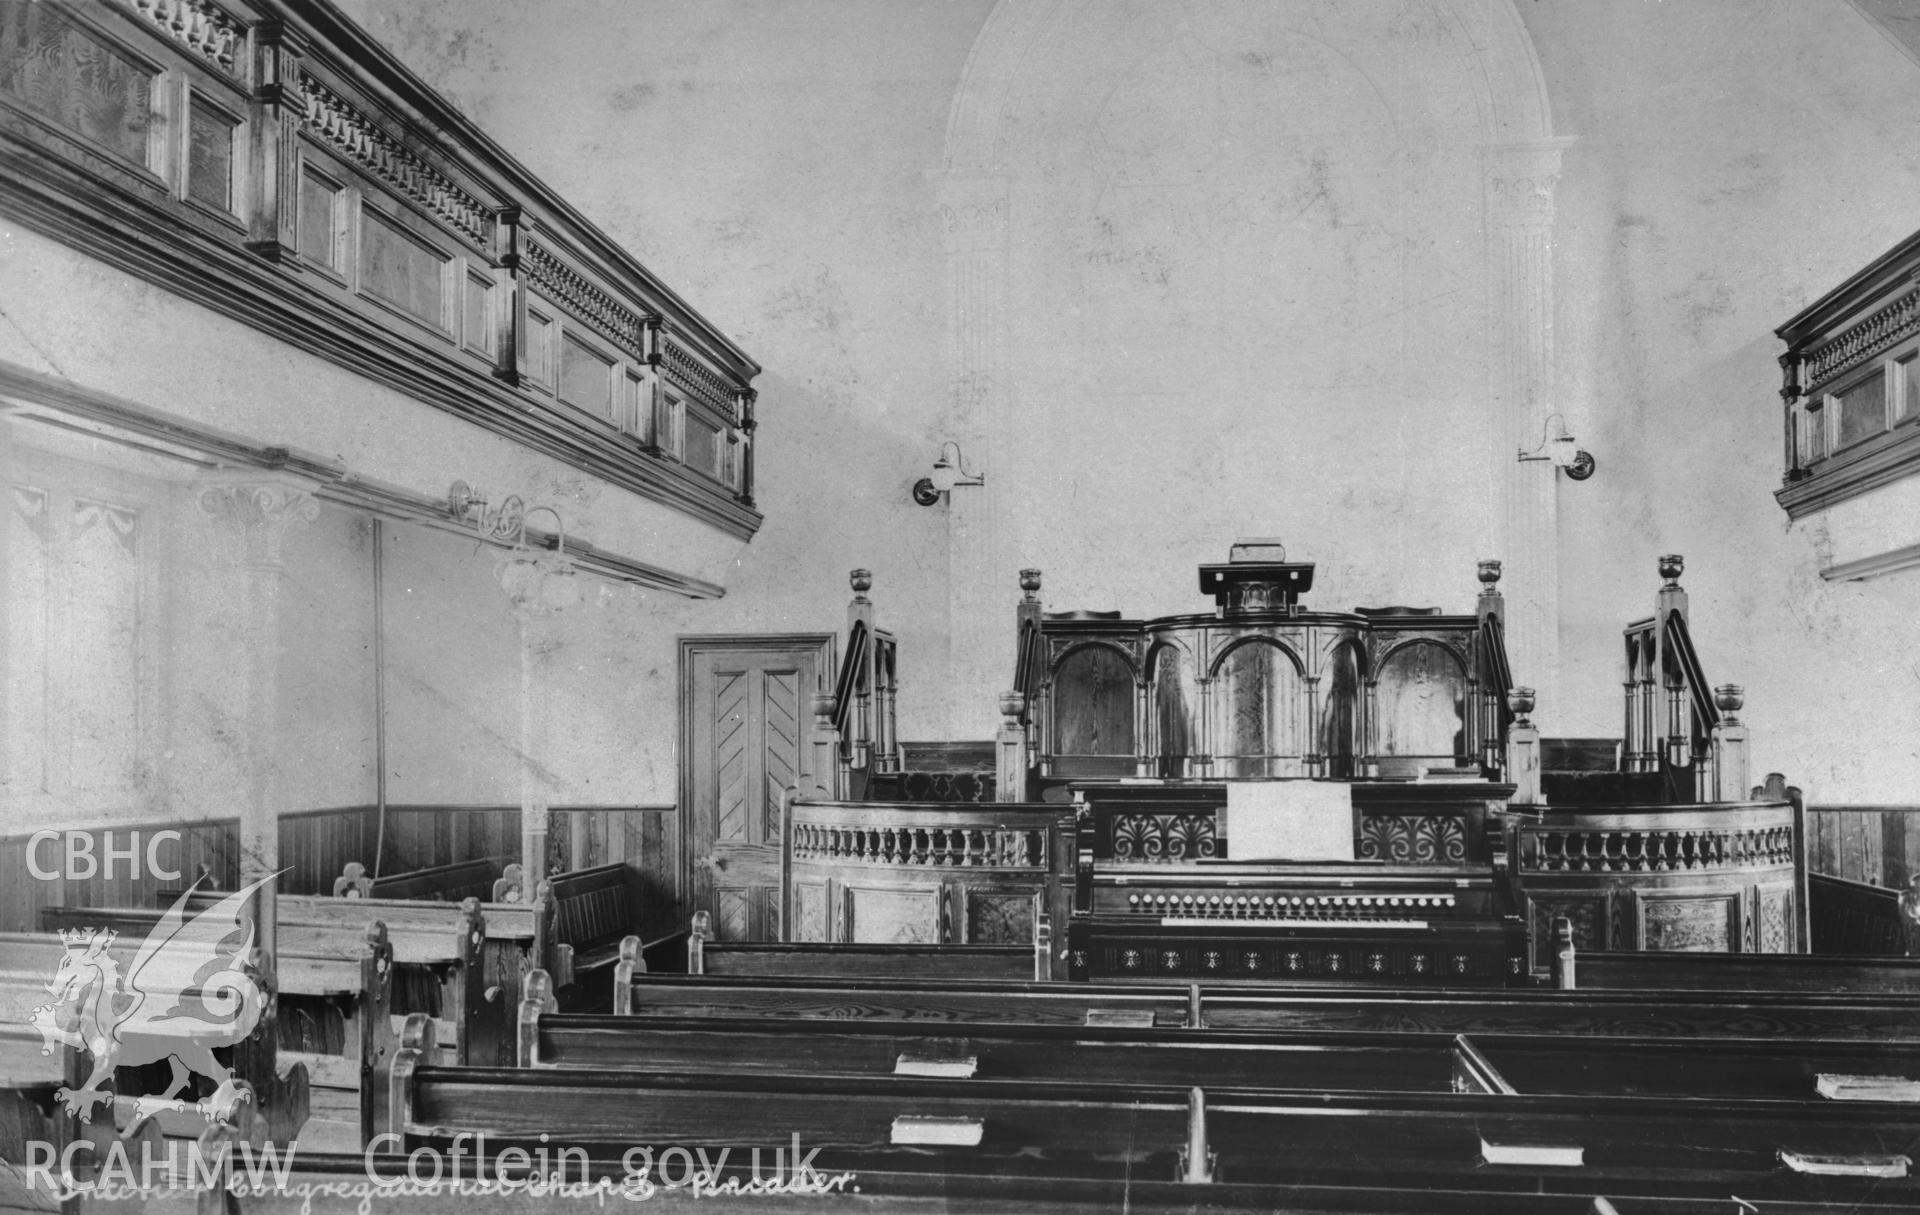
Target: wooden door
(744, 714)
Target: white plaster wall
(1735, 162)
(1246, 269)
(1246, 296)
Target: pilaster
(251, 514)
(539, 588)
(973, 213)
(1521, 180)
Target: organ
(1278, 792)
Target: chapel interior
(651, 552)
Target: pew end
(697, 938)
(630, 964)
(536, 1001)
(418, 1045)
(1197, 1159)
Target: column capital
(252, 511)
(1521, 179)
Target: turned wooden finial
(862, 582)
(1489, 572)
(1030, 584)
(1520, 701)
(1012, 705)
(1729, 698)
(1672, 565)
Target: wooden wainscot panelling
(78, 873)
(269, 160)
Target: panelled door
(744, 712)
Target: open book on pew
(1532, 1153)
(1868, 1088)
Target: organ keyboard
(1158, 902)
(1338, 922)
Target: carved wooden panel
(399, 269)
(1175, 695)
(1338, 739)
(810, 912)
(1700, 925)
(586, 377)
(782, 743)
(1163, 837)
(998, 919)
(1422, 699)
(1093, 703)
(730, 739)
(1258, 689)
(730, 913)
(1413, 839)
(210, 155)
(902, 917)
(64, 72)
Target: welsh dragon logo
(186, 991)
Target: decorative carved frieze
(1163, 837)
(1893, 323)
(560, 283)
(339, 124)
(200, 27)
(1413, 839)
(700, 383)
(952, 847)
(1654, 851)
(253, 516)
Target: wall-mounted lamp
(946, 475)
(1556, 445)
(541, 581)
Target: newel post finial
(1672, 565)
(861, 581)
(1030, 584)
(1490, 572)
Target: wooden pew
(1850, 917)
(1363, 1061)
(1788, 1015)
(708, 956)
(594, 911)
(1741, 973)
(439, 883)
(477, 951)
(876, 1126)
(31, 1071)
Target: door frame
(826, 647)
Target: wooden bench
(31, 1071)
(1791, 1015)
(473, 953)
(1849, 917)
(1331, 1060)
(1762, 1147)
(594, 911)
(707, 956)
(1865, 974)
(439, 883)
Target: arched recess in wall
(1103, 190)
